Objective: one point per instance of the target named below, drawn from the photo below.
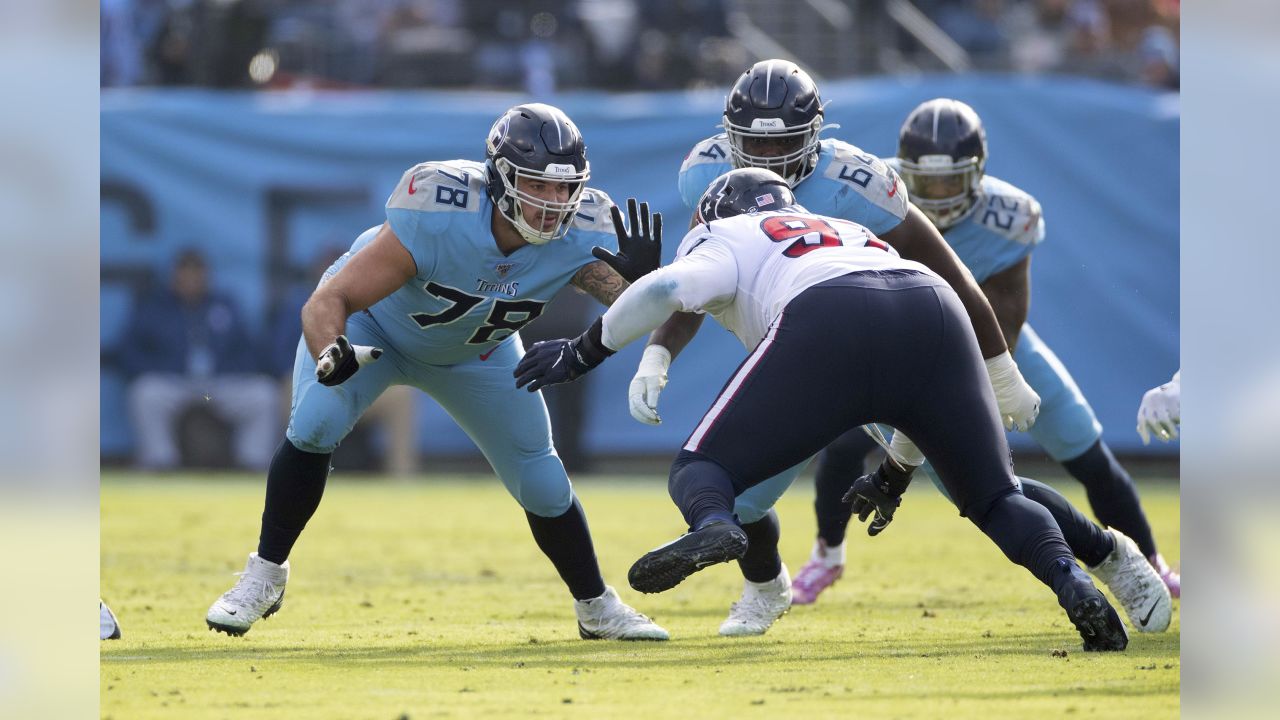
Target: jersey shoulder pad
(451, 186)
(696, 235)
(1010, 212)
(593, 214)
(707, 161)
(869, 191)
(712, 150)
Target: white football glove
(1018, 403)
(1161, 411)
(646, 386)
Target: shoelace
(250, 590)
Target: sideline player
(434, 298)
(993, 226)
(1160, 413)
(774, 275)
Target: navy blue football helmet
(744, 191)
(942, 155)
(773, 116)
(536, 143)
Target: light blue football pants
(510, 426)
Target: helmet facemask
(552, 218)
(794, 165)
(944, 188)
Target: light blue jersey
(467, 296)
(1001, 229)
(451, 331)
(846, 183)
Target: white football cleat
(608, 618)
(108, 627)
(1136, 584)
(759, 607)
(258, 594)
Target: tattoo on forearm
(600, 282)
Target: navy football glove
(553, 362)
(640, 250)
(340, 360)
(881, 493)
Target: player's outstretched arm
(372, 273)
(1009, 292)
(685, 285)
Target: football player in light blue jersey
(993, 226)
(434, 298)
(773, 117)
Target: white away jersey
(744, 270)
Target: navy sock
(566, 541)
(1027, 534)
(1112, 494)
(295, 484)
(762, 562)
(838, 466)
(1088, 541)
(702, 489)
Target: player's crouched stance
(434, 298)
(775, 275)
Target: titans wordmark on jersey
(467, 296)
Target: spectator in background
(1158, 58)
(185, 345)
(394, 409)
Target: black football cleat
(666, 567)
(1098, 623)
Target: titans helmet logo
(498, 134)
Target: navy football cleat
(666, 567)
(1098, 623)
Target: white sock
(829, 556)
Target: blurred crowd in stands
(540, 46)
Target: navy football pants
(894, 347)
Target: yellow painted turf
(431, 600)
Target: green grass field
(431, 600)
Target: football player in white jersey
(773, 118)
(435, 298)
(844, 333)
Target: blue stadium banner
(264, 183)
